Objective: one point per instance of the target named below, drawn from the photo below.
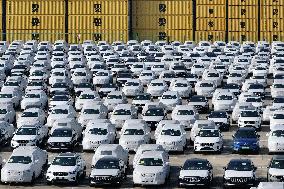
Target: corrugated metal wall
(210, 20)
(271, 20)
(113, 20)
(243, 20)
(97, 20)
(36, 19)
(162, 19)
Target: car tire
(76, 182)
(49, 183)
(33, 179)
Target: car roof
(24, 150)
(149, 154)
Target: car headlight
(196, 143)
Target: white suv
(69, 167)
(25, 164)
(153, 168)
(208, 140)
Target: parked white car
(132, 87)
(172, 137)
(134, 133)
(205, 88)
(276, 119)
(182, 87)
(34, 98)
(153, 168)
(157, 87)
(31, 116)
(276, 139)
(92, 112)
(86, 98)
(60, 112)
(25, 165)
(96, 134)
(208, 140)
(114, 98)
(250, 118)
(30, 135)
(66, 167)
(185, 115)
(123, 112)
(110, 150)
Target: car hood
(128, 138)
(58, 168)
(30, 100)
(167, 138)
(91, 137)
(233, 173)
(277, 172)
(16, 167)
(149, 169)
(197, 173)
(104, 172)
(59, 139)
(207, 139)
(24, 137)
(245, 140)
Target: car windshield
(114, 97)
(98, 131)
(122, 112)
(277, 164)
(185, 112)
(218, 115)
(225, 97)
(3, 111)
(6, 95)
(208, 133)
(60, 98)
(91, 111)
(62, 133)
(239, 166)
(133, 132)
(60, 111)
(107, 164)
(181, 85)
(195, 165)
(26, 131)
(142, 97)
(29, 114)
(151, 162)
(171, 132)
(32, 96)
(131, 84)
(20, 159)
(253, 100)
(169, 97)
(64, 161)
(213, 75)
(155, 112)
(245, 134)
(197, 99)
(278, 133)
(249, 114)
(278, 116)
(206, 85)
(87, 96)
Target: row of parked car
(73, 95)
(151, 166)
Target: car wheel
(76, 182)
(48, 183)
(33, 179)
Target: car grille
(239, 179)
(192, 179)
(249, 122)
(207, 144)
(60, 173)
(148, 174)
(23, 141)
(101, 178)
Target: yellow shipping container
(272, 25)
(97, 35)
(211, 24)
(272, 36)
(242, 2)
(243, 12)
(272, 2)
(162, 22)
(155, 7)
(272, 12)
(242, 25)
(243, 36)
(210, 36)
(94, 7)
(41, 22)
(78, 22)
(41, 35)
(170, 35)
(211, 11)
(210, 2)
(35, 7)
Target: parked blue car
(246, 139)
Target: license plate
(245, 148)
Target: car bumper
(60, 179)
(105, 180)
(147, 180)
(245, 148)
(214, 148)
(15, 178)
(191, 182)
(175, 147)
